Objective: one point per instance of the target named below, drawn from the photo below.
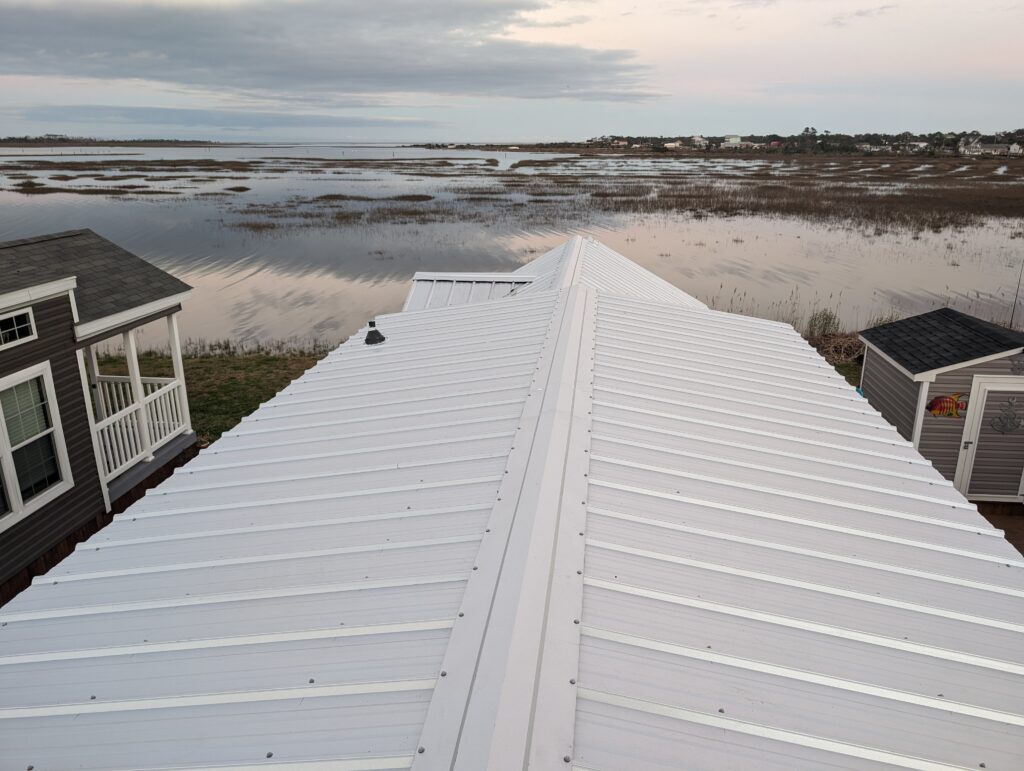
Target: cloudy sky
(459, 70)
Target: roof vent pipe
(373, 335)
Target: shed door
(994, 445)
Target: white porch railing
(129, 432)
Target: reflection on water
(324, 281)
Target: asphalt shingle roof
(110, 279)
(941, 338)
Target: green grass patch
(850, 370)
(223, 389)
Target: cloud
(843, 19)
(570, 21)
(225, 120)
(333, 50)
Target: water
(273, 263)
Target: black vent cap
(373, 335)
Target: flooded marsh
(310, 241)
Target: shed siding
(999, 457)
(890, 392)
(24, 542)
(941, 436)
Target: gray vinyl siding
(21, 544)
(890, 392)
(999, 457)
(941, 437)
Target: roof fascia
(115, 320)
(980, 360)
(514, 278)
(930, 375)
(37, 293)
(889, 359)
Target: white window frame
(19, 508)
(31, 320)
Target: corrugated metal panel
(611, 274)
(573, 529)
(999, 457)
(288, 596)
(941, 437)
(752, 601)
(587, 262)
(890, 392)
(442, 290)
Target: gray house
(954, 386)
(74, 443)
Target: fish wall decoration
(950, 406)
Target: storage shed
(954, 386)
(591, 526)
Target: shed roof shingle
(110, 279)
(941, 338)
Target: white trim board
(931, 374)
(99, 326)
(37, 293)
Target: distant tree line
(811, 140)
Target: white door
(991, 462)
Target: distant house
(975, 146)
(699, 142)
(914, 147)
(1016, 149)
(953, 385)
(672, 145)
(732, 139)
(74, 442)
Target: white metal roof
(571, 528)
(440, 290)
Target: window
(17, 327)
(33, 462)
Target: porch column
(131, 355)
(174, 338)
(92, 370)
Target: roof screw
(421, 750)
(475, 567)
(722, 711)
(311, 680)
(443, 673)
(270, 754)
(579, 572)
(572, 681)
(567, 759)
(92, 698)
(373, 335)
(575, 621)
(461, 614)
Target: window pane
(5, 507)
(15, 328)
(25, 411)
(36, 466)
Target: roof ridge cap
(44, 238)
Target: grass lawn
(223, 389)
(850, 370)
